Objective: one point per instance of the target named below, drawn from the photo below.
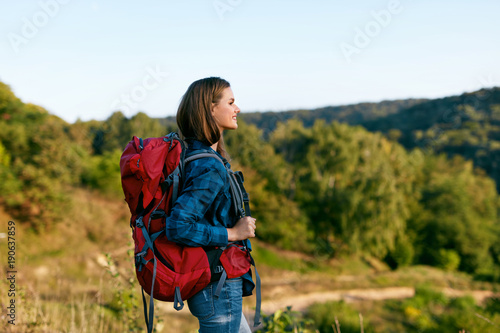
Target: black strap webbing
(258, 302)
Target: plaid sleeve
(202, 185)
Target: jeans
(222, 314)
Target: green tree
(457, 211)
(269, 184)
(144, 127)
(114, 134)
(349, 184)
(103, 173)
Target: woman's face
(225, 112)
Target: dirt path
(302, 302)
(479, 295)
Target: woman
(202, 215)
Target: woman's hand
(243, 229)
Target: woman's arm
(202, 185)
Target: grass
(429, 311)
(64, 284)
(63, 310)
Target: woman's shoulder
(201, 158)
(198, 164)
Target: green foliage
(324, 188)
(42, 157)
(39, 162)
(281, 221)
(103, 173)
(457, 211)
(467, 124)
(118, 130)
(348, 183)
(427, 296)
(248, 148)
(266, 256)
(126, 300)
(113, 134)
(144, 127)
(350, 114)
(10, 186)
(428, 311)
(326, 314)
(492, 305)
(9, 103)
(431, 312)
(402, 255)
(286, 321)
(4, 157)
(463, 303)
(447, 259)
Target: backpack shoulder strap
(242, 207)
(238, 192)
(204, 153)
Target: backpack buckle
(139, 260)
(139, 223)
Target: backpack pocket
(236, 260)
(177, 267)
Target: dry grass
(64, 282)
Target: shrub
(448, 259)
(401, 255)
(287, 321)
(324, 316)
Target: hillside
(466, 124)
(90, 285)
(339, 208)
(335, 189)
(352, 114)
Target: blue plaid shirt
(203, 209)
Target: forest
(406, 182)
(328, 188)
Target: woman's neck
(215, 145)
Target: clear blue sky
(85, 59)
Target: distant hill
(466, 124)
(353, 114)
(443, 114)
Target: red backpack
(152, 173)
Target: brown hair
(194, 115)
